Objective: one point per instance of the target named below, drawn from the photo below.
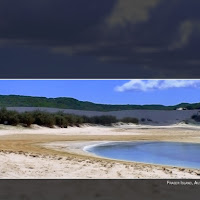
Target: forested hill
(70, 103)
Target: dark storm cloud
(150, 36)
(51, 22)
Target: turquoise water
(163, 153)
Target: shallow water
(163, 153)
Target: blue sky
(166, 92)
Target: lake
(164, 153)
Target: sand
(40, 152)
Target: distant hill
(71, 103)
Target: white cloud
(146, 85)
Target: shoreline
(81, 149)
(73, 162)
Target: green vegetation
(70, 103)
(130, 120)
(26, 118)
(196, 118)
(9, 117)
(103, 120)
(59, 119)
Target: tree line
(71, 103)
(59, 119)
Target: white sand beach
(40, 152)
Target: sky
(137, 91)
(100, 39)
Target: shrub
(9, 117)
(43, 118)
(130, 120)
(103, 120)
(71, 119)
(3, 115)
(61, 121)
(79, 120)
(38, 117)
(196, 118)
(12, 118)
(86, 119)
(27, 118)
(49, 121)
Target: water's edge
(91, 148)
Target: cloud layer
(157, 37)
(146, 85)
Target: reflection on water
(164, 153)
